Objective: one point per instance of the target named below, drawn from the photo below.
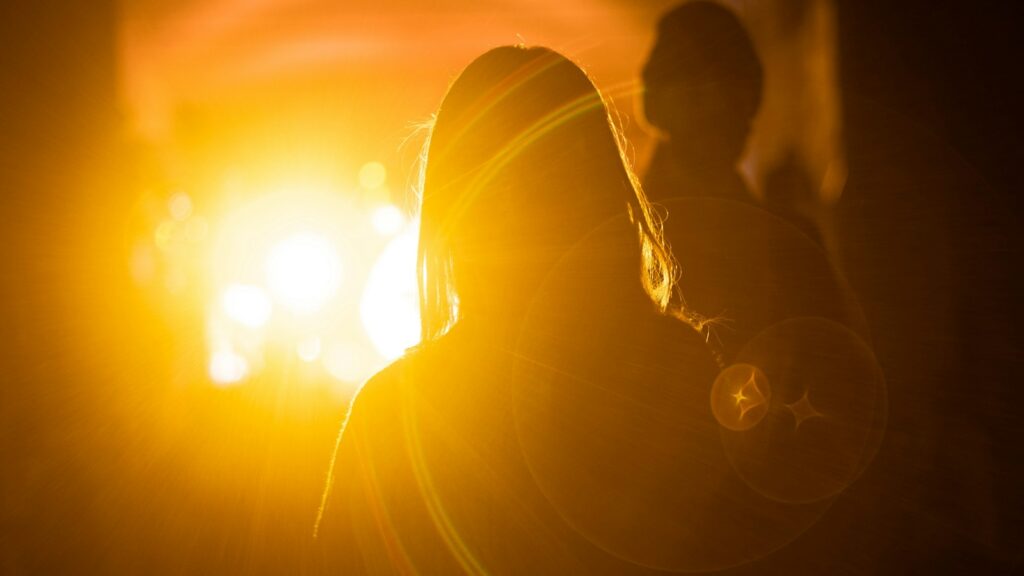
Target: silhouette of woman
(542, 419)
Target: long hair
(523, 157)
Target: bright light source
(290, 270)
(388, 220)
(303, 272)
(308, 349)
(372, 175)
(226, 367)
(246, 304)
(390, 306)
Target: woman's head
(522, 162)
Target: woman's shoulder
(376, 406)
(401, 376)
(385, 384)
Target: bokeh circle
(826, 418)
(612, 417)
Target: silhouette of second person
(702, 90)
(744, 265)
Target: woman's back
(472, 456)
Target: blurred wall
(58, 99)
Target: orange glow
(213, 242)
(740, 397)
